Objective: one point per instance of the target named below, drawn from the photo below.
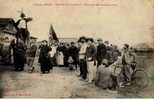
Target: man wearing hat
(82, 58)
(101, 51)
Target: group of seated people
(119, 73)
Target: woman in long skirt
(60, 58)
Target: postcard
(76, 49)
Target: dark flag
(52, 34)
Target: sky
(127, 21)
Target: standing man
(82, 58)
(66, 54)
(74, 53)
(91, 60)
(101, 52)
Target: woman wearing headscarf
(44, 57)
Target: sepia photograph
(73, 49)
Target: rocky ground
(62, 83)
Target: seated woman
(104, 77)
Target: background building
(7, 30)
(68, 40)
(7, 34)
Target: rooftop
(5, 25)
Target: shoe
(127, 84)
(78, 75)
(121, 85)
(81, 79)
(87, 80)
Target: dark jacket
(101, 51)
(91, 52)
(44, 55)
(20, 53)
(73, 51)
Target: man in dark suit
(74, 53)
(101, 52)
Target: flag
(52, 34)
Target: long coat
(101, 53)
(74, 53)
(44, 58)
(20, 54)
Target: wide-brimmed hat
(44, 41)
(82, 39)
(90, 39)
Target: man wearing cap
(101, 51)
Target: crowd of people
(100, 62)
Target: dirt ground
(62, 83)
